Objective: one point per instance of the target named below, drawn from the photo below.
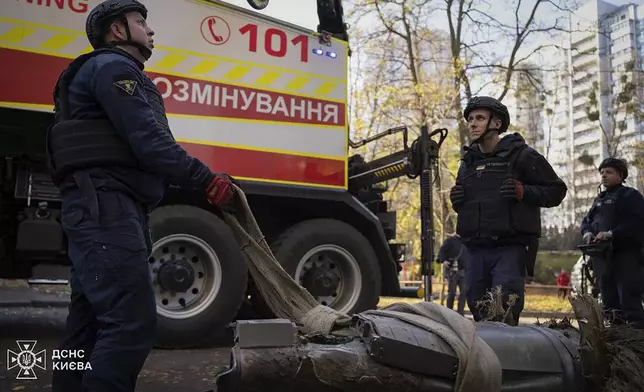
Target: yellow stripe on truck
(17, 34)
(57, 42)
(67, 43)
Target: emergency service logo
(126, 85)
(26, 359)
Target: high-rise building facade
(599, 56)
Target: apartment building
(558, 138)
(605, 37)
(525, 102)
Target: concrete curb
(25, 297)
(20, 297)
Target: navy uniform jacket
(485, 218)
(451, 249)
(114, 86)
(620, 210)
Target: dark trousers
(488, 268)
(456, 279)
(621, 285)
(112, 314)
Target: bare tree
(623, 108)
(477, 18)
(552, 105)
(416, 90)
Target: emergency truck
(252, 96)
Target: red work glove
(220, 190)
(512, 190)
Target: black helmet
(616, 164)
(103, 13)
(491, 104)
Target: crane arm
(408, 161)
(330, 17)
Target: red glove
(220, 190)
(512, 190)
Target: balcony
(587, 141)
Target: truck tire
(336, 258)
(195, 255)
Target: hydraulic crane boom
(330, 16)
(407, 162)
(412, 161)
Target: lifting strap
(479, 368)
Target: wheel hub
(186, 275)
(332, 275)
(320, 282)
(176, 276)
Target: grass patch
(533, 303)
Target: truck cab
(250, 95)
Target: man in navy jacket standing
(501, 185)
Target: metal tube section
(412, 359)
(426, 212)
(408, 292)
(380, 135)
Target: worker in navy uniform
(451, 255)
(616, 218)
(501, 185)
(112, 156)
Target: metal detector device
(596, 249)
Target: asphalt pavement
(38, 314)
(39, 318)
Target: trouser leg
(477, 281)
(110, 255)
(629, 281)
(508, 271)
(610, 296)
(80, 334)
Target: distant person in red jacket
(563, 281)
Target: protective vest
(82, 144)
(603, 212)
(484, 214)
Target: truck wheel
(333, 261)
(198, 274)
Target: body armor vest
(82, 144)
(603, 212)
(484, 214)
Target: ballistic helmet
(104, 13)
(493, 105)
(617, 164)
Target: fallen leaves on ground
(533, 303)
